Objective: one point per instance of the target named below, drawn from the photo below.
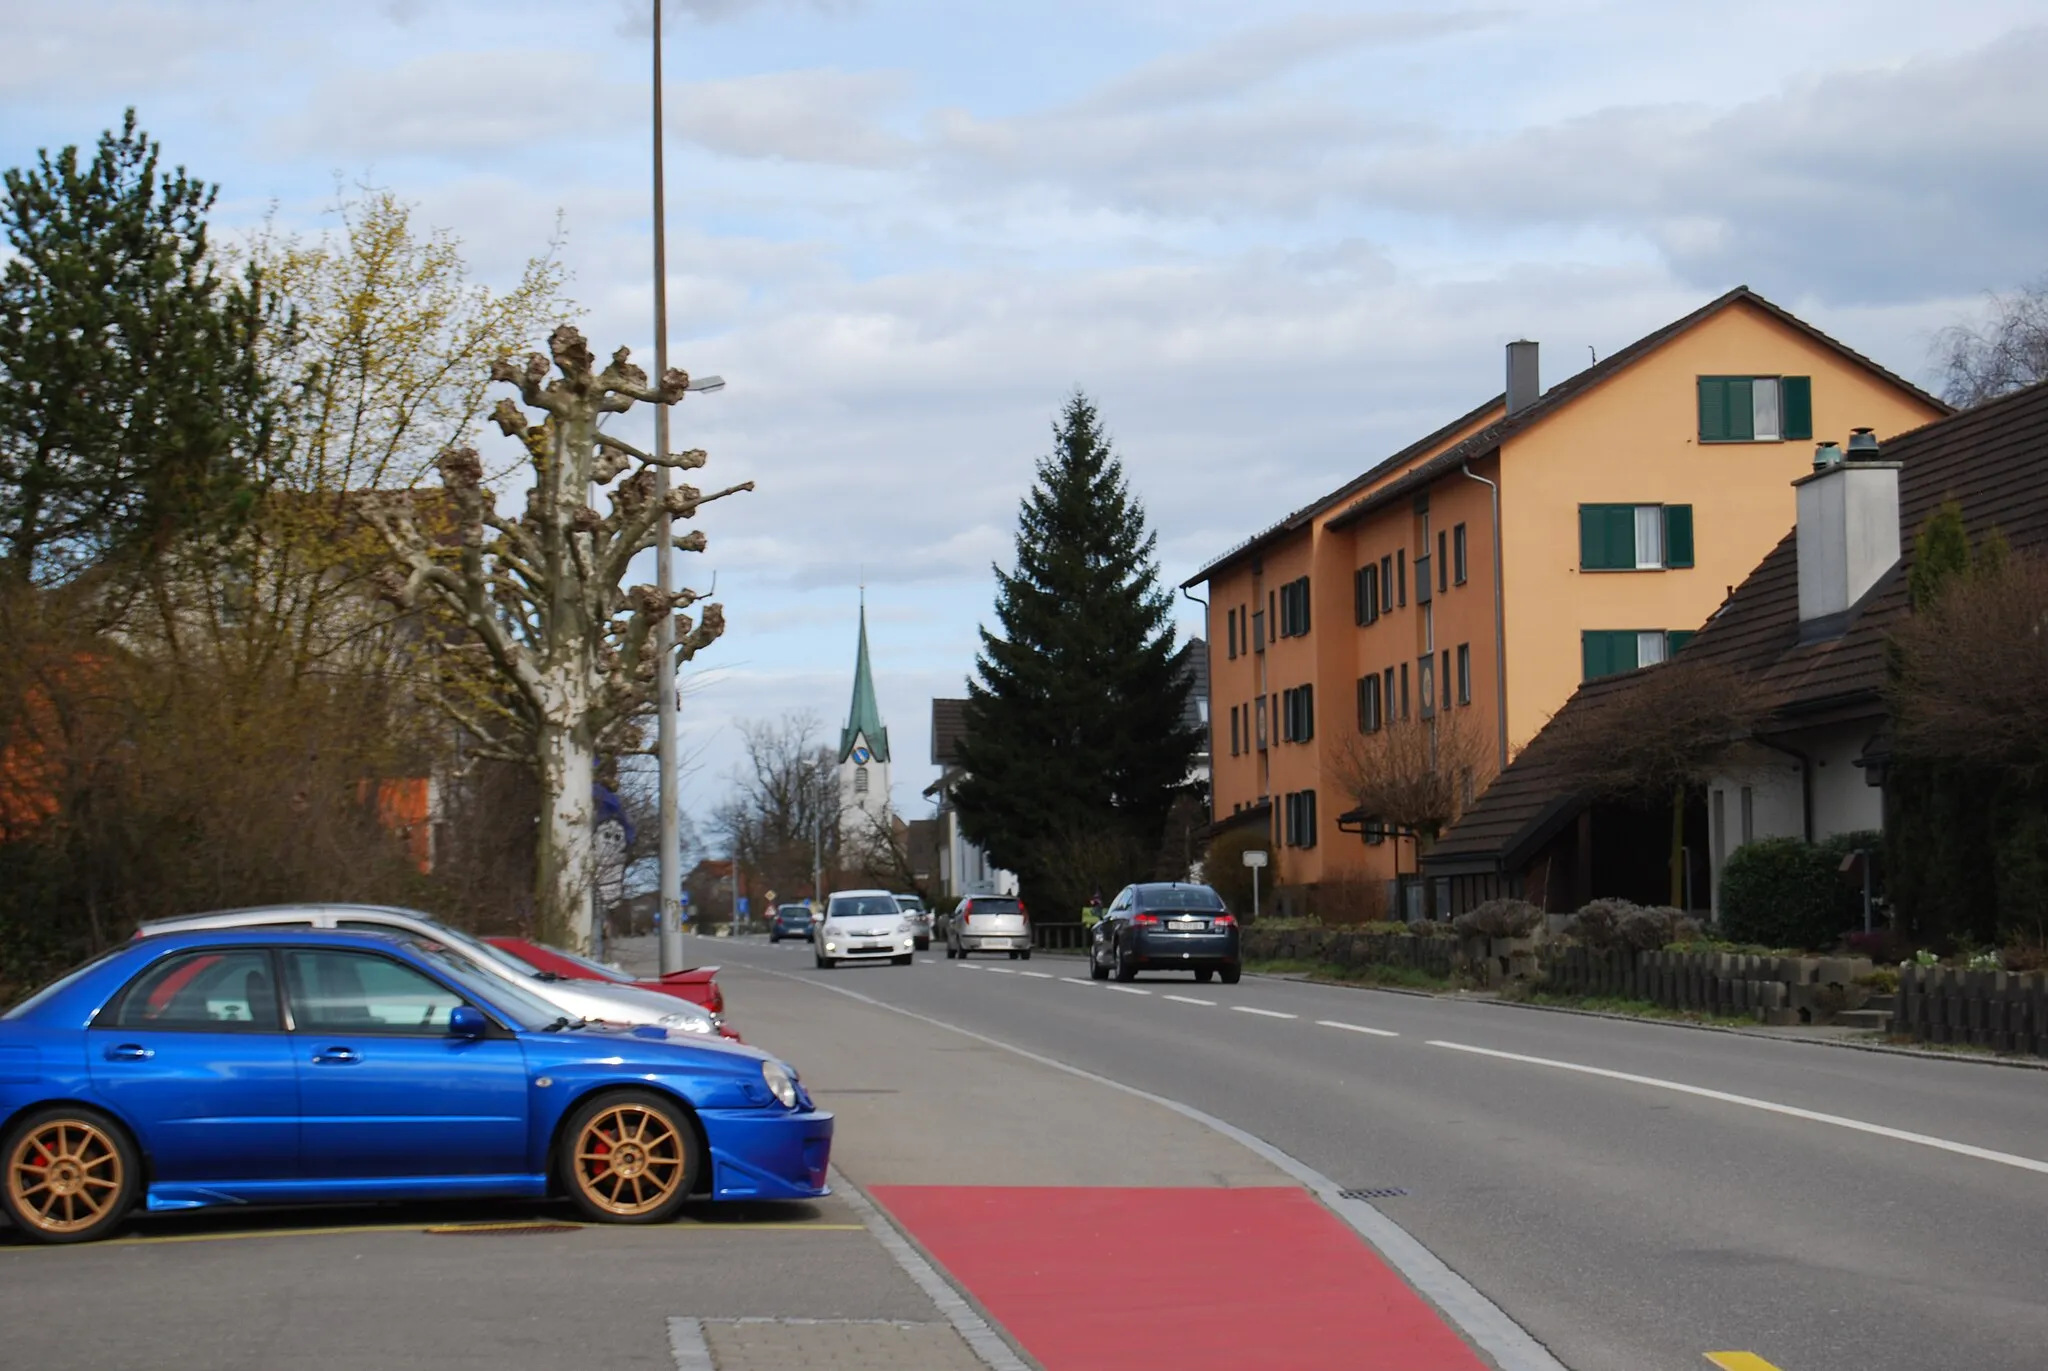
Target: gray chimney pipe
(1524, 387)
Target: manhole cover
(1373, 1192)
(478, 1230)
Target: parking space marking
(1739, 1361)
(1037, 975)
(1126, 989)
(1188, 999)
(1357, 1028)
(1267, 1013)
(1767, 1106)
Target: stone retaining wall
(2001, 1010)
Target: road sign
(683, 899)
(1254, 859)
(743, 904)
(768, 900)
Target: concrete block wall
(2000, 1010)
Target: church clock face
(861, 756)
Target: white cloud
(797, 116)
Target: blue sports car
(270, 1066)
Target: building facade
(1473, 580)
(962, 867)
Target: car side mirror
(467, 1021)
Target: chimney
(1523, 386)
(1848, 532)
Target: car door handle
(129, 1052)
(337, 1056)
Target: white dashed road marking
(1000, 970)
(1127, 989)
(1037, 975)
(1076, 980)
(1189, 999)
(1267, 1013)
(1357, 1028)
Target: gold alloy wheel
(630, 1159)
(64, 1176)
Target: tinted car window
(208, 992)
(863, 907)
(357, 992)
(23, 1009)
(984, 905)
(1180, 897)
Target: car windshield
(525, 1009)
(1198, 897)
(596, 970)
(794, 911)
(863, 907)
(477, 947)
(54, 987)
(910, 904)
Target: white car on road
(864, 926)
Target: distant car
(596, 1001)
(920, 919)
(1166, 927)
(989, 923)
(697, 984)
(790, 921)
(863, 926)
(279, 1065)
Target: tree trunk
(1678, 848)
(566, 853)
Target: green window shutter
(1592, 538)
(1608, 652)
(1621, 536)
(1795, 396)
(1676, 639)
(1741, 409)
(1607, 537)
(1593, 647)
(1677, 535)
(1713, 409)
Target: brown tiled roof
(1992, 459)
(1569, 389)
(949, 726)
(1260, 541)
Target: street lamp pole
(665, 749)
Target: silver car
(920, 919)
(596, 1001)
(989, 923)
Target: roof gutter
(1500, 632)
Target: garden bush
(1500, 919)
(1785, 892)
(1622, 926)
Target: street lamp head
(707, 385)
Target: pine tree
(132, 395)
(1076, 741)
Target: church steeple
(864, 716)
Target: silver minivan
(989, 923)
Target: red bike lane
(1195, 1279)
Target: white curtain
(1649, 535)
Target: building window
(1301, 818)
(1259, 631)
(1458, 566)
(1464, 673)
(860, 780)
(1748, 815)
(1755, 409)
(1236, 731)
(1231, 623)
(1365, 593)
(1261, 713)
(1387, 696)
(1298, 714)
(1401, 576)
(1404, 691)
(1445, 677)
(1294, 608)
(1634, 537)
(1423, 593)
(1425, 684)
(1387, 582)
(1369, 716)
(1609, 652)
(1443, 561)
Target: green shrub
(1784, 892)
(1500, 919)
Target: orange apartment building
(1480, 574)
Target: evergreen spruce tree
(1077, 744)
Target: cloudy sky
(1274, 244)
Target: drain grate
(1373, 1192)
(477, 1230)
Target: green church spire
(864, 717)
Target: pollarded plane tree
(567, 651)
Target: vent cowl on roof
(1524, 385)
(1826, 455)
(1862, 445)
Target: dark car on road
(790, 921)
(1166, 926)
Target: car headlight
(780, 1083)
(686, 1023)
(831, 946)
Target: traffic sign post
(1255, 860)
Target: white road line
(928, 961)
(1357, 1028)
(1126, 989)
(1037, 975)
(966, 966)
(1790, 1111)
(1000, 970)
(1188, 999)
(1076, 980)
(1268, 1013)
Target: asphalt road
(1823, 1209)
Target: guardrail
(1060, 937)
